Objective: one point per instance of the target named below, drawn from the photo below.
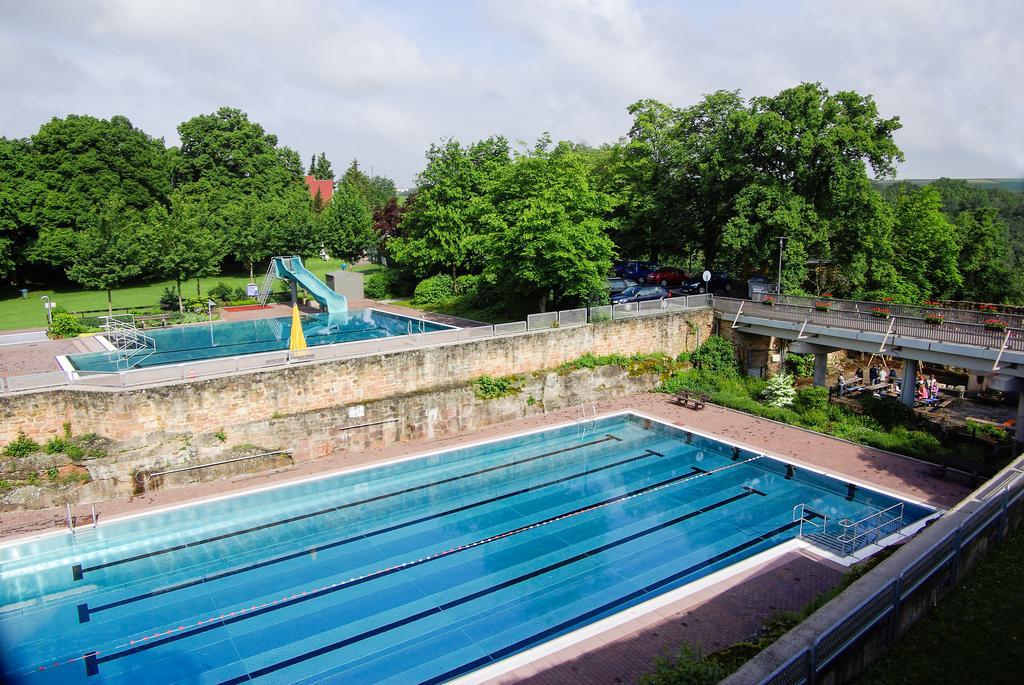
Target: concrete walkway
(39, 357)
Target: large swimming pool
(227, 339)
(413, 572)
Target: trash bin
(759, 285)
(24, 292)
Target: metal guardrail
(940, 558)
(144, 476)
(974, 334)
(222, 366)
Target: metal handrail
(144, 476)
(850, 536)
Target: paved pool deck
(715, 617)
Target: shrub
(56, 445)
(715, 355)
(66, 326)
(801, 365)
(888, 411)
(689, 668)
(222, 292)
(488, 388)
(380, 285)
(467, 285)
(811, 399)
(434, 289)
(5, 485)
(21, 446)
(169, 299)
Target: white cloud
(380, 81)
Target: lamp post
(778, 287)
(49, 310)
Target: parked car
(616, 284)
(641, 293)
(696, 285)
(666, 277)
(633, 269)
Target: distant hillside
(1014, 184)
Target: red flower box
(995, 324)
(880, 312)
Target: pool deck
(715, 617)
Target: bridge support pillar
(1020, 418)
(821, 369)
(909, 382)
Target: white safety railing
(222, 366)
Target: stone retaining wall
(202, 406)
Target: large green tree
(724, 177)
(116, 245)
(320, 168)
(19, 196)
(442, 230)
(547, 232)
(188, 247)
(925, 245)
(347, 225)
(251, 189)
(82, 163)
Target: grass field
(20, 313)
(974, 635)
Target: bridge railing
(903, 311)
(959, 333)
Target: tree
(189, 248)
(547, 231)
(442, 230)
(347, 225)
(723, 177)
(320, 168)
(117, 245)
(83, 163)
(251, 189)
(387, 221)
(925, 243)
(19, 193)
(986, 260)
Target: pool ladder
(71, 518)
(586, 420)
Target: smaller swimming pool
(229, 339)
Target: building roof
(326, 188)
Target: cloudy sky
(379, 80)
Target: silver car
(616, 284)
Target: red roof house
(325, 187)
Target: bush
(465, 286)
(689, 668)
(434, 289)
(802, 365)
(56, 445)
(169, 299)
(811, 399)
(222, 292)
(487, 388)
(22, 446)
(888, 411)
(66, 326)
(379, 286)
(716, 355)
(780, 391)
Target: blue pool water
(228, 339)
(414, 572)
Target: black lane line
(149, 644)
(583, 618)
(78, 571)
(320, 651)
(85, 612)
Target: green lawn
(17, 312)
(975, 635)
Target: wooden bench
(695, 399)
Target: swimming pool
(228, 339)
(416, 571)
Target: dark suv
(641, 293)
(633, 270)
(696, 285)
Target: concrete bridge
(967, 339)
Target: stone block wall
(203, 406)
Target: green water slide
(291, 269)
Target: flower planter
(995, 325)
(768, 301)
(822, 307)
(933, 320)
(879, 313)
